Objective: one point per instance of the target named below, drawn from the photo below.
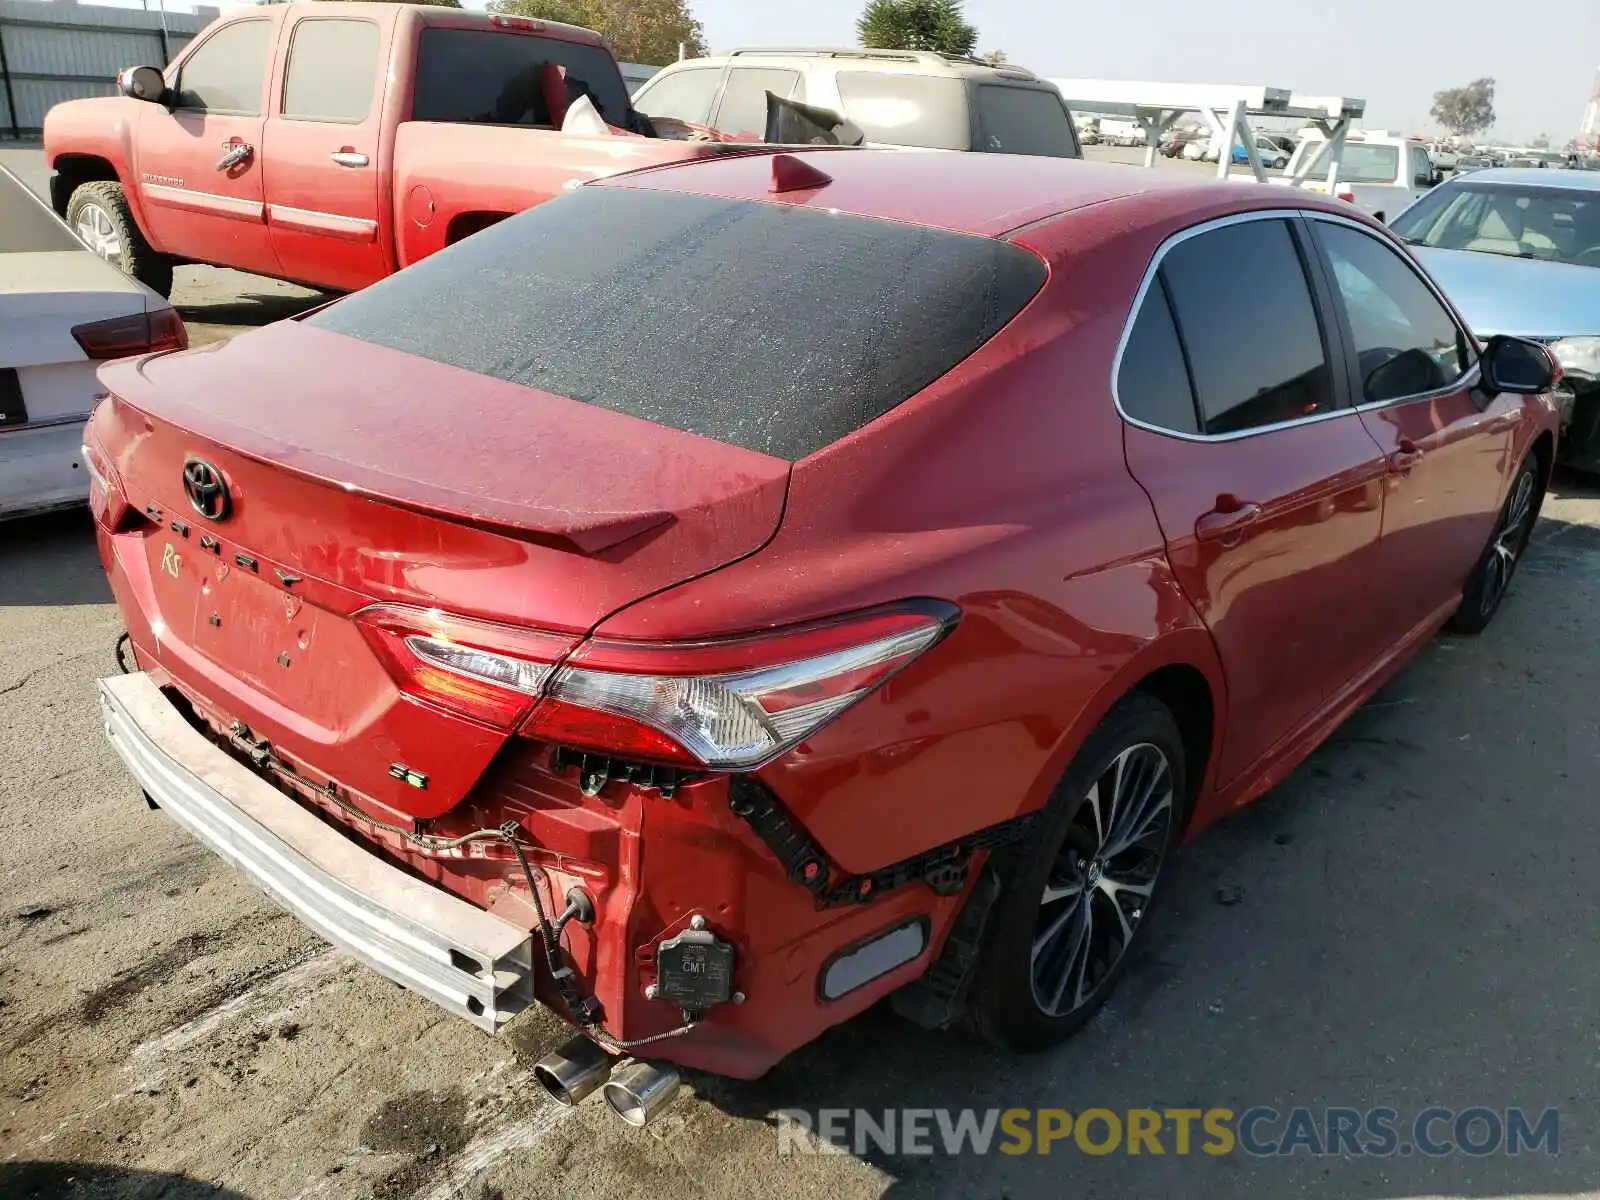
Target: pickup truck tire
(99, 214)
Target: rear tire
(99, 214)
(1491, 578)
(1077, 895)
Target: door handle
(1227, 521)
(1406, 457)
(234, 154)
(349, 158)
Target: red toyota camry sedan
(733, 593)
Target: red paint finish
(293, 211)
(1086, 558)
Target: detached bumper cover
(474, 964)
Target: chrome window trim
(1183, 235)
(1467, 378)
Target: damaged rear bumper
(470, 962)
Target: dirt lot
(1408, 921)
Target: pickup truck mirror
(142, 83)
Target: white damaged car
(63, 310)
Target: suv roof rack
(929, 58)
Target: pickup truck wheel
(1077, 896)
(99, 215)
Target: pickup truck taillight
(726, 704)
(141, 333)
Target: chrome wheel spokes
(98, 233)
(1102, 881)
(1509, 541)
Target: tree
(1542, 142)
(916, 25)
(1465, 110)
(641, 31)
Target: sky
(1394, 54)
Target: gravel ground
(1404, 922)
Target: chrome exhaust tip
(639, 1092)
(573, 1071)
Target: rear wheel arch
(1181, 671)
(464, 225)
(1186, 692)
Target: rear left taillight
(141, 333)
(725, 704)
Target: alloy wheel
(98, 232)
(1100, 886)
(1508, 542)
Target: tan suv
(908, 98)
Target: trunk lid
(360, 475)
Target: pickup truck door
(199, 161)
(323, 153)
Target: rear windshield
(772, 327)
(1019, 120)
(1360, 163)
(480, 76)
(897, 109)
(25, 223)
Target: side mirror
(142, 83)
(1517, 365)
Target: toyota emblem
(207, 492)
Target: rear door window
(897, 109)
(1244, 310)
(683, 95)
(484, 77)
(772, 327)
(227, 72)
(333, 66)
(1153, 385)
(744, 100)
(1019, 120)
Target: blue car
(1518, 251)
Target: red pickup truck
(334, 143)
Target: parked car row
(735, 588)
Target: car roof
(1555, 177)
(909, 62)
(439, 16)
(987, 195)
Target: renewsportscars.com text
(1259, 1132)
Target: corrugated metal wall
(50, 52)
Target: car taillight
(528, 24)
(725, 704)
(108, 503)
(1346, 194)
(140, 333)
(730, 704)
(490, 672)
